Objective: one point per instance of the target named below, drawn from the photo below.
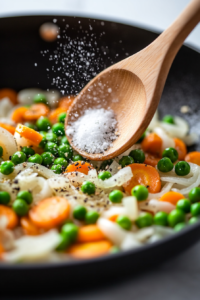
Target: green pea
(61, 161)
(64, 140)
(116, 196)
(165, 165)
(43, 123)
(140, 192)
(58, 129)
(105, 164)
(79, 212)
(18, 157)
(4, 197)
(144, 220)
(1, 151)
(47, 158)
(31, 125)
(64, 242)
(168, 119)
(182, 168)
(176, 216)
(125, 161)
(62, 117)
(179, 226)
(71, 231)
(138, 156)
(161, 218)
(171, 153)
(20, 207)
(58, 169)
(195, 209)
(124, 222)
(26, 196)
(36, 159)
(7, 167)
(52, 148)
(40, 98)
(51, 137)
(88, 187)
(77, 158)
(28, 151)
(193, 220)
(65, 151)
(194, 195)
(104, 175)
(43, 142)
(91, 217)
(184, 205)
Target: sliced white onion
(52, 97)
(166, 188)
(155, 205)
(8, 121)
(186, 190)
(8, 143)
(130, 242)
(131, 206)
(143, 234)
(191, 139)
(167, 141)
(113, 211)
(112, 231)
(28, 248)
(114, 167)
(5, 107)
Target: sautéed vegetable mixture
(56, 205)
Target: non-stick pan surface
(24, 64)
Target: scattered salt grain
(94, 131)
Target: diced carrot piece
(36, 111)
(18, 114)
(193, 157)
(151, 160)
(66, 102)
(152, 144)
(50, 212)
(10, 215)
(172, 197)
(79, 166)
(90, 233)
(1, 249)
(90, 250)
(29, 227)
(29, 134)
(181, 148)
(144, 175)
(9, 93)
(8, 127)
(53, 116)
(113, 218)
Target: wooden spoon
(132, 88)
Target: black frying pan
(20, 49)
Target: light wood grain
(133, 87)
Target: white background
(153, 14)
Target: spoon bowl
(132, 88)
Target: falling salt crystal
(35, 65)
(94, 131)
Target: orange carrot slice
(79, 166)
(90, 233)
(10, 215)
(172, 197)
(90, 250)
(29, 134)
(9, 93)
(152, 144)
(151, 159)
(18, 114)
(144, 175)
(66, 102)
(113, 218)
(193, 157)
(36, 111)
(181, 148)
(50, 212)
(29, 227)
(8, 127)
(53, 116)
